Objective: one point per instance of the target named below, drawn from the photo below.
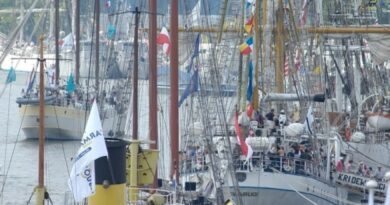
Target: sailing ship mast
(153, 124)
(40, 189)
(174, 82)
(77, 41)
(57, 38)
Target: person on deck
(270, 116)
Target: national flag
(309, 120)
(286, 66)
(191, 87)
(108, 4)
(246, 149)
(249, 90)
(297, 59)
(317, 70)
(246, 47)
(163, 39)
(304, 11)
(249, 25)
(67, 43)
(93, 146)
(196, 51)
(11, 77)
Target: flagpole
(97, 41)
(255, 97)
(40, 189)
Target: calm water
(19, 157)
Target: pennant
(93, 146)
(249, 25)
(163, 39)
(247, 47)
(70, 86)
(191, 87)
(31, 81)
(249, 90)
(111, 31)
(11, 77)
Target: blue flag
(32, 81)
(191, 87)
(70, 86)
(111, 31)
(11, 77)
(196, 51)
(249, 91)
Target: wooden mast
(279, 51)
(174, 81)
(153, 125)
(135, 77)
(40, 189)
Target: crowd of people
(360, 169)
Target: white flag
(93, 146)
(67, 43)
(309, 120)
(82, 184)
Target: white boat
(65, 122)
(281, 188)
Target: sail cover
(379, 45)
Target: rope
(6, 136)
(12, 155)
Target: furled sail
(379, 45)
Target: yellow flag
(317, 70)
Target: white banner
(93, 146)
(358, 181)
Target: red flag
(303, 17)
(286, 66)
(249, 25)
(243, 145)
(297, 59)
(163, 39)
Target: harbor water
(19, 157)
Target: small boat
(26, 100)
